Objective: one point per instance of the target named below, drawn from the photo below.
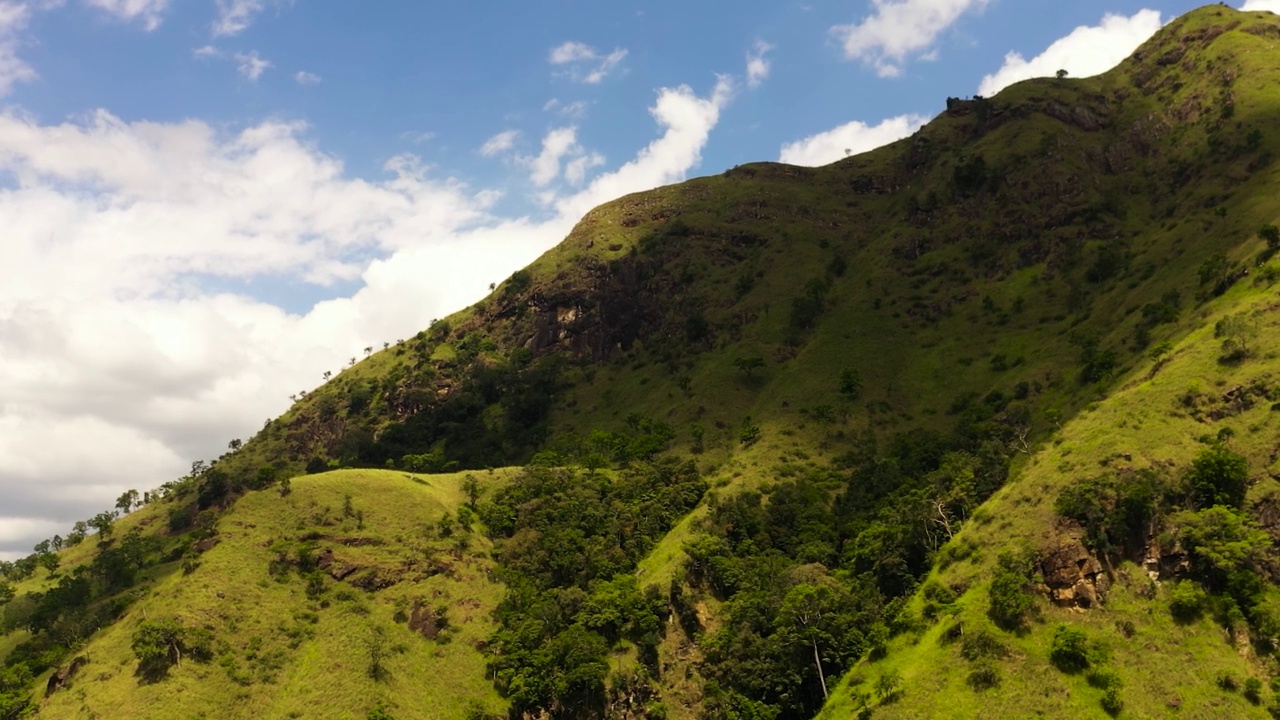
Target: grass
(284, 654)
(938, 284)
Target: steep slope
(856, 357)
(343, 594)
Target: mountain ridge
(963, 303)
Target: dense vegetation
(980, 423)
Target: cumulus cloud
(148, 11)
(558, 143)
(899, 29)
(849, 139)
(1085, 51)
(1272, 6)
(500, 143)
(757, 64)
(303, 77)
(14, 17)
(586, 64)
(123, 362)
(250, 65)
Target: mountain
(979, 423)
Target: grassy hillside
(886, 373)
(287, 636)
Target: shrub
(1069, 651)
(1219, 476)
(1111, 701)
(1010, 601)
(982, 644)
(1253, 690)
(984, 676)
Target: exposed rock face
(61, 677)
(1074, 577)
(424, 620)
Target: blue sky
(390, 73)
(208, 204)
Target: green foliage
(1071, 651)
(1253, 690)
(850, 384)
(1187, 601)
(160, 644)
(748, 365)
(1010, 600)
(1116, 513)
(1226, 550)
(984, 675)
(806, 308)
(1270, 234)
(567, 543)
(1237, 332)
(1218, 476)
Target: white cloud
(205, 52)
(303, 77)
(557, 144)
(1085, 51)
(148, 11)
(575, 110)
(898, 29)
(500, 143)
(687, 121)
(14, 17)
(1272, 6)
(121, 366)
(849, 139)
(757, 65)
(234, 16)
(418, 137)
(571, 52)
(586, 64)
(575, 171)
(250, 65)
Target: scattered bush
(1069, 651)
(1111, 701)
(984, 676)
(1253, 690)
(1010, 600)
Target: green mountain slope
(886, 373)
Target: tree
(127, 500)
(160, 644)
(1271, 235)
(1010, 601)
(1061, 74)
(376, 645)
(368, 351)
(328, 374)
(471, 486)
(78, 532)
(1219, 476)
(103, 523)
(1236, 331)
(807, 616)
(850, 384)
(748, 365)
